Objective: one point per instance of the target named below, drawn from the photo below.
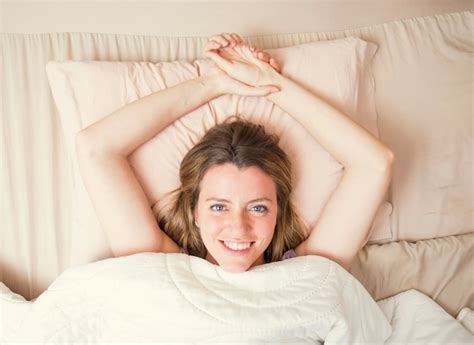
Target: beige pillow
(86, 91)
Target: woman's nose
(240, 222)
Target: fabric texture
(466, 317)
(338, 70)
(441, 268)
(169, 298)
(424, 107)
(289, 254)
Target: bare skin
(121, 204)
(236, 208)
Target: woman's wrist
(276, 79)
(218, 83)
(212, 82)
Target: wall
(196, 18)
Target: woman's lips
(237, 251)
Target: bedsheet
(441, 268)
(424, 103)
(150, 297)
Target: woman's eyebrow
(228, 201)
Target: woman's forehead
(228, 182)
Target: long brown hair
(244, 144)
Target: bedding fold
(424, 106)
(154, 297)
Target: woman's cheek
(213, 225)
(270, 226)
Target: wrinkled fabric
(151, 297)
(424, 105)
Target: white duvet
(153, 297)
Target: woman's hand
(241, 68)
(224, 42)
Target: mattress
(424, 104)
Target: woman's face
(236, 214)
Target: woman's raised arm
(129, 127)
(120, 203)
(124, 130)
(102, 150)
(344, 223)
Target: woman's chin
(234, 263)
(235, 268)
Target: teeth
(238, 246)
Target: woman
(233, 208)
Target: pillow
(86, 91)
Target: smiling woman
(233, 207)
(237, 163)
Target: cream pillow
(86, 91)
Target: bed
(424, 106)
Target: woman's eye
(217, 207)
(261, 208)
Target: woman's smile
(236, 214)
(237, 248)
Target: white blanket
(153, 297)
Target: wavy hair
(244, 144)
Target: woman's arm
(344, 223)
(347, 141)
(343, 138)
(102, 150)
(346, 219)
(121, 132)
(119, 201)
(129, 127)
